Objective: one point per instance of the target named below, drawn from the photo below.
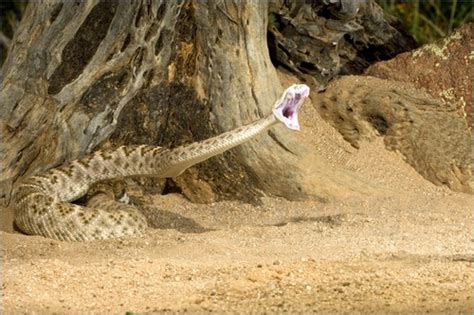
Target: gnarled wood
(84, 75)
(319, 40)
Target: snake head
(286, 108)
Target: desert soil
(399, 244)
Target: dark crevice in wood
(137, 58)
(138, 16)
(79, 51)
(186, 37)
(151, 31)
(104, 92)
(125, 43)
(161, 12)
(55, 13)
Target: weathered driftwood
(90, 74)
(321, 39)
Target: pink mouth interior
(291, 107)
(286, 109)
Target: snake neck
(186, 156)
(72, 180)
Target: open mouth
(286, 108)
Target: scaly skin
(42, 203)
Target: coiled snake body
(42, 203)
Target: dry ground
(397, 244)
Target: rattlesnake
(42, 203)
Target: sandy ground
(398, 244)
(371, 254)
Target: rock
(441, 68)
(430, 134)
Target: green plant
(427, 20)
(11, 13)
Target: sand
(397, 244)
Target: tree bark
(319, 40)
(87, 75)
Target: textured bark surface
(71, 70)
(317, 40)
(86, 75)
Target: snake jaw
(286, 108)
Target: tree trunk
(85, 75)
